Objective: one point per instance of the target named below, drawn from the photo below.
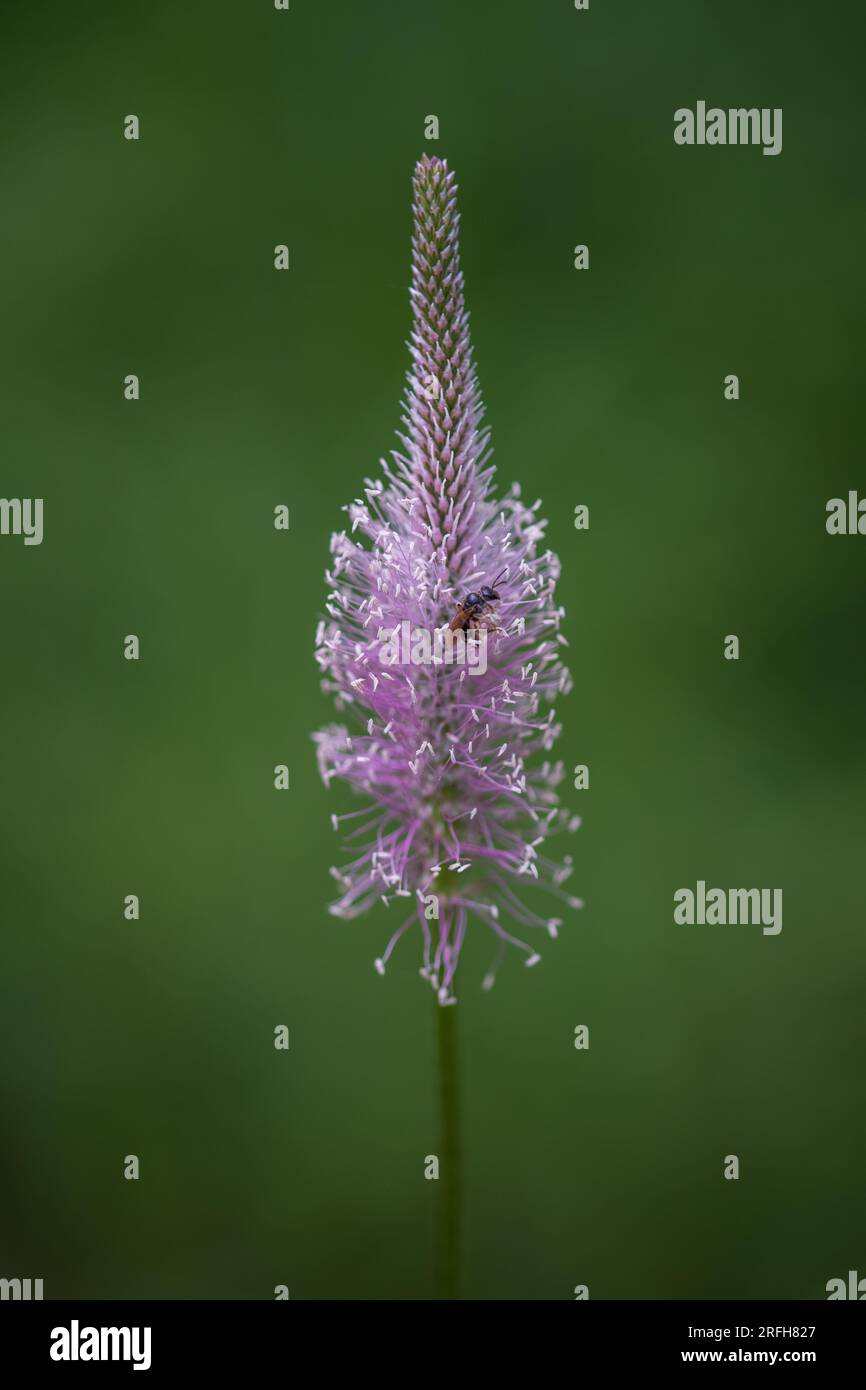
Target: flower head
(449, 691)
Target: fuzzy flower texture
(456, 821)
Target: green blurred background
(258, 388)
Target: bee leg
(492, 625)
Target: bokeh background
(707, 517)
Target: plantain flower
(447, 694)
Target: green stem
(447, 1219)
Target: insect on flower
(458, 809)
(473, 605)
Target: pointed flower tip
(431, 164)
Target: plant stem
(447, 1218)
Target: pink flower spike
(442, 604)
